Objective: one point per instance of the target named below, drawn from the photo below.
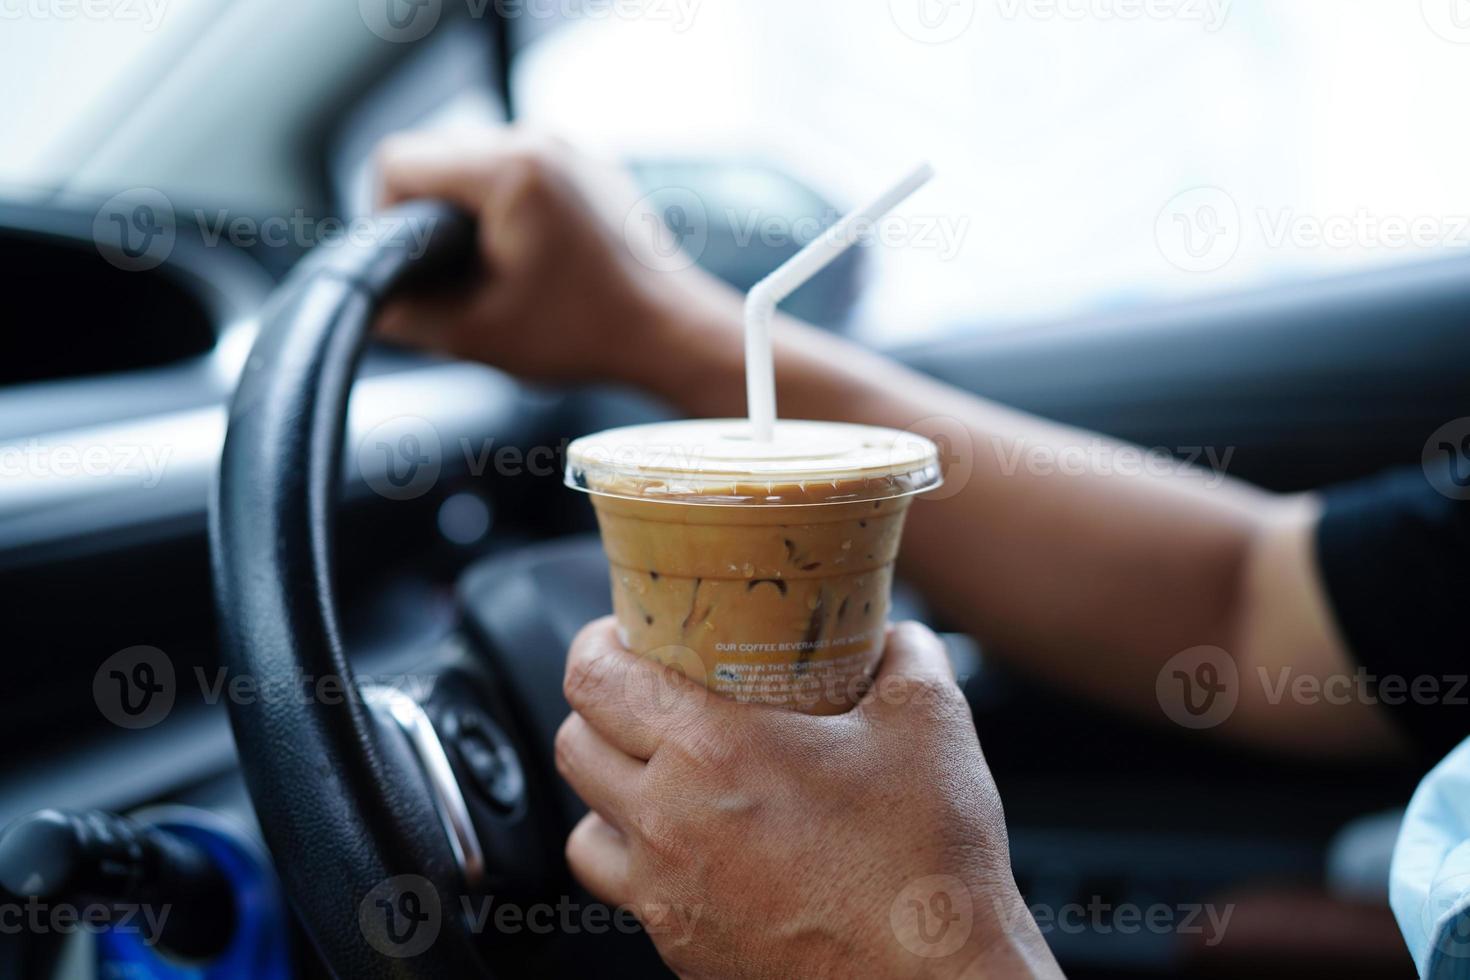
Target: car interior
(242, 427)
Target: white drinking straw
(766, 295)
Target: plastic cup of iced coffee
(760, 568)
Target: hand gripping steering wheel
(382, 813)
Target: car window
(76, 61)
(1093, 154)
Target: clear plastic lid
(715, 461)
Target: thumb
(915, 663)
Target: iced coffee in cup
(767, 564)
(756, 555)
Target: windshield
(1092, 154)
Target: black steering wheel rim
(340, 800)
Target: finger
(463, 166)
(633, 702)
(598, 857)
(435, 321)
(916, 651)
(437, 163)
(915, 664)
(603, 776)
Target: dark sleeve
(1394, 552)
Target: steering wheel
(383, 813)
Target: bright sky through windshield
(1076, 140)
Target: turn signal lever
(93, 856)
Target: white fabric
(1429, 881)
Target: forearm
(1094, 575)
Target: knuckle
(577, 845)
(529, 172)
(662, 836)
(584, 677)
(936, 690)
(940, 700)
(926, 696)
(564, 744)
(703, 747)
(589, 669)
